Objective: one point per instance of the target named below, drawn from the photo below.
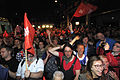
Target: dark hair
(7, 48)
(85, 35)
(67, 45)
(80, 44)
(90, 63)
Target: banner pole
(86, 19)
(71, 18)
(26, 58)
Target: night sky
(44, 9)
(34, 8)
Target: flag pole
(26, 59)
(86, 19)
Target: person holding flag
(32, 67)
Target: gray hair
(58, 74)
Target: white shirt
(34, 67)
(75, 53)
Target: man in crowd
(9, 62)
(114, 57)
(89, 49)
(81, 56)
(34, 69)
(41, 49)
(103, 41)
(17, 47)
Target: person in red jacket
(114, 57)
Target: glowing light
(33, 25)
(39, 27)
(47, 26)
(43, 26)
(51, 26)
(77, 23)
(56, 1)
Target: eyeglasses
(99, 66)
(68, 51)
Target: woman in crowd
(108, 72)
(70, 65)
(94, 70)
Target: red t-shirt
(77, 65)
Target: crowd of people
(79, 53)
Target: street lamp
(43, 26)
(51, 26)
(39, 27)
(55, 1)
(47, 26)
(77, 23)
(33, 25)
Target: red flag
(29, 34)
(5, 34)
(84, 9)
(91, 8)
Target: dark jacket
(91, 51)
(87, 76)
(3, 73)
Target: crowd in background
(71, 53)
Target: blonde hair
(58, 75)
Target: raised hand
(113, 75)
(48, 32)
(70, 27)
(106, 47)
(77, 37)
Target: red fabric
(84, 9)
(100, 51)
(29, 34)
(77, 65)
(114, 61)
(44, 78)
(5, 34)
(90, 8)
(111, 59)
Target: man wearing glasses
(35, 68)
